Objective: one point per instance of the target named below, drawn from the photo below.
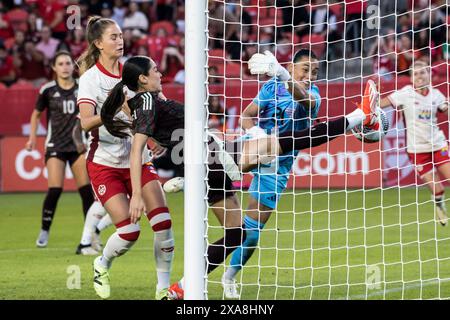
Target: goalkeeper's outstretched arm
(298, 75)
(264, 149)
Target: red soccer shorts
(425, 162)
(108, 181)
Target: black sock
(219, 250)
(314, 136)
(87, 197)
(48, 210)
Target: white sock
(104, 262)
(93, 217)
(163, 280)
(181, 283)
(104, 223)
(117, 245)
(163, 246)
(355, 118)
(231, 273)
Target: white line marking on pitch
(397, 289)
(52, 249)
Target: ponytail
(94, 30)
(111, 107)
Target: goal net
(355, 221)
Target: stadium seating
(18, 19)
(317, 43)
(166, 25)
(216, 57)
(23, 85)
(231, 69)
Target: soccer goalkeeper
(280, 106)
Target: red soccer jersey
(48, 10)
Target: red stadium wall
(321, 167)
(25, 171)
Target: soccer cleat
(162, 294)
(96, 242)
(101, 279)
(175, 292)
(174, 185)
(42, 239)
(441, 214)
(230, 288)
(369, 104)
(86, 250)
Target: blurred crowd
(31, 31)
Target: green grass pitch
(351, 241)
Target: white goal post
(358, 223)
(194, 154)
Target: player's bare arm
(137, 205)
(89, 120)
(300, 94)
(385, 102)
(249, 115)
(31, 143)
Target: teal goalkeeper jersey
(278, 113)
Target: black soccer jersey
(157, 118)
(161, 119)
(62, 111)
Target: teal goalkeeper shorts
(267, 188)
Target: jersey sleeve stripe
(86, 100)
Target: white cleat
(230, 288)
(174, 185)
(441, 214)
(101, 280)
(42, 239)
(96, 242)
(86, 251)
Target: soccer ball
(369, 135)
(174, 185)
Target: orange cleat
(176, 292)
(369, 104)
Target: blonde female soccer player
(108, 162)
(426, 144)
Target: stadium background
(391, 228)
(32, 31)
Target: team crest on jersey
(425, 115)
(444, 151)
(101, 189)
(151, 168)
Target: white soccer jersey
(420, 114)
(105, 149)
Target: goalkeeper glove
(267, 64)
(256, 132)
